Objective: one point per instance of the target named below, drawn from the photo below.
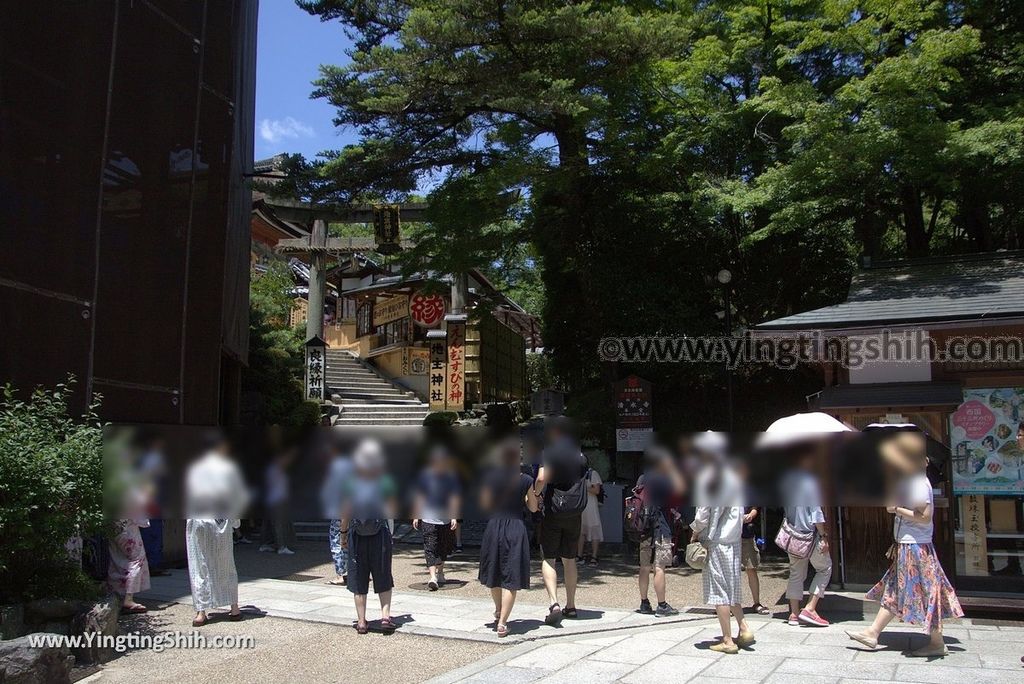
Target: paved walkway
(783, 654)
(608, 645)
(443, 613)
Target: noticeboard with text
(634, 418)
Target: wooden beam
(306, 212)
(334, 245)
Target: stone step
(381, 421)
(389, 401)
(355, 378)
(354, 409)
(371, 397)
(367, 389)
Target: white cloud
(275, 130)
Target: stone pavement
(979, 654)
(442, 614)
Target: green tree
(612, 157)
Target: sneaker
(592, 562)
(665, 610)
(432, 585)
(244, 540)
(266, 548)
(440, 579)
(645, 608)
(285, 551)
(458, 548)
(794, 620)
(812, 618)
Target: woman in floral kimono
(128, 573)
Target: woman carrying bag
(804, 538)
(914, 588)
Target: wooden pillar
(317, 279)
(460, 293)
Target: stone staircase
(366, 398)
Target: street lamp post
(725, 277)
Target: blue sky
(291, 47)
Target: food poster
(987, 456)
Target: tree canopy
(603, 160)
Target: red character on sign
(427, 310)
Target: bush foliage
(51, 490)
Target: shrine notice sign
(634, 423)
(437, 381)
(983, 437)
(390, 309)
(456, 366)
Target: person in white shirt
(591, 530)
(719, 524)
(216, 497)
(915, 588)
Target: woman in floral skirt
(915, 588)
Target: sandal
(570, 613)
(554, 615)
(197, 622)
(362, 628)
(235, 617)
(338, 581)
(387, 626)
(134, 609)
(502, 631)
(761, 609)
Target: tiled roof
(975, 287)
(893, 394)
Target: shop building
(960, 379)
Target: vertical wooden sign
(456, 366)
(975, 535)
(437, 385)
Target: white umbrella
(800, 427)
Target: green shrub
(305, 415)
(51, 489)
(440, 418)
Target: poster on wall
(987, 458)
(415, 361)
(634, 422)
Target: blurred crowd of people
(700, 503)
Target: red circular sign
(427, 310)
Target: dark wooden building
(125, 144)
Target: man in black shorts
(562, 466)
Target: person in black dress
(506, 495)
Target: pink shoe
(793, 620)
(812, 618)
